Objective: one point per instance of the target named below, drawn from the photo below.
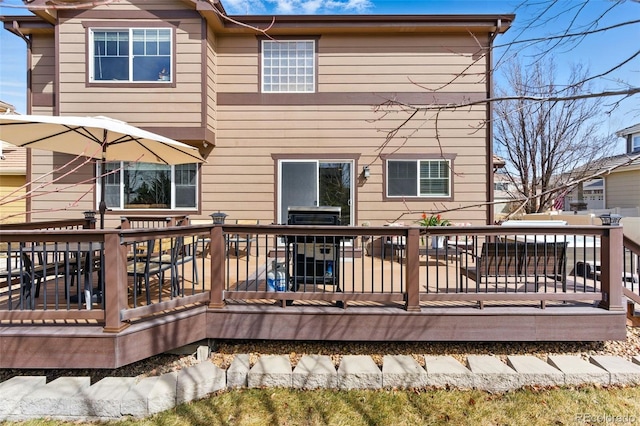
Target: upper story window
(419, 178)
(151, 186)
(635, 143)
(288, 66)
(131, 55)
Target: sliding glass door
(316, 183)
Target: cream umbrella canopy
(96, 137)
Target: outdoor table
(87, 250)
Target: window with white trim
(150, 186)
(288, 66)
(418, 178)
(635, 143)
(131, 55)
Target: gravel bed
(224, 351)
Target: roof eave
(628, 130)
(24, 25)
(365, 23)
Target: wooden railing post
(115, 283)
(412, 253)
(611, 254)
(217, 250)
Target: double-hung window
(150, 186)
(131, 55)
(288, 66)
(635, 145)
(419, 178)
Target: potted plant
(434, 220)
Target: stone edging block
(74, 398)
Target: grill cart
(314, 259)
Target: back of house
(351, 111)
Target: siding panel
(622, 189)
(179, 105)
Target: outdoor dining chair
(162, 255)
(235, 240)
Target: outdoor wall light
(366, 172)
(609, 219)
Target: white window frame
(418, 162)
(635, 143)
(122, 207)
(163, 76)
(272, 67)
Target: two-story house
(621, 185)
(298, 114)
(616, 188)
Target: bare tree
(546, 142)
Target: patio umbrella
(96, 137)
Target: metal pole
(102, 207)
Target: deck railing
(116, 277)
(399, 265)
(631, 270)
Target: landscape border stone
(75, 398)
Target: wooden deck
(413, 296)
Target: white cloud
(310, 7)
(244, 7)
(285, 7)
(295, 7)
(358, 6)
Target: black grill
(314, 216)
(315, 258)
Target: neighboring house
(617, 186)
(505, 192)
(592, 195)
(13, 177)
(621, 184)
(285, 119)
(632, 137)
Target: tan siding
(237, 56)
(314, 132)
(43, 64)
(370, 63)
(247, 138)
(161, 106)
(241, 167)
(622, 189)
(212, 78)
(390, 43)
(14, 161)
(42, 111)
(60, 195)
(438, 61)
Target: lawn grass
(558, 406)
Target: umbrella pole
(102, 207)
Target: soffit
(26, 25)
